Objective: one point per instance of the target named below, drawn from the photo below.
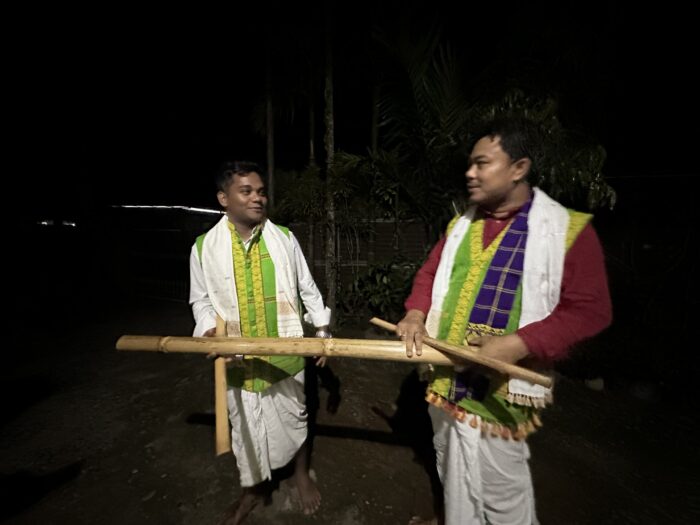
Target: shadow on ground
(92, 435)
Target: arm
(317, 314)
(412, 327)
(202, 309)
(422, 291)
(584, 307)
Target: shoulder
(452, 223)
(198, 244)
(577, 222)
(283, 229)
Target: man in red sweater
(522, 279)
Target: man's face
(492, 174)
(245, 200)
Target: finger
(419, 343)
(401, 332)
(408, 339)
(212, 355)
(401, 329)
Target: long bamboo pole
(379, 349)
(468, 354)
(308, 346)
(223, 436)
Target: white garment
(267, 428)
(213, 288)
(482, 476)
(543, 269)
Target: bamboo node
(328, 346)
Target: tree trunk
(329, 143)
(270, 135)
(312, 131)
(397, 232)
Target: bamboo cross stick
(223, 436)
(468, 354)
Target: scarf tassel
(529, 401)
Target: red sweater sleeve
(584, 307)
(422, 292)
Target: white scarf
(217, 265)
(543, 268)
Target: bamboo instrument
(468, 354)
(378, 349)
(223, 436)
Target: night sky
(125, 106)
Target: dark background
(134, 106)
(128, 105)
(122, 104)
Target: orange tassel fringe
(519, 432)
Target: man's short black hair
(519, 136)
(229, 169)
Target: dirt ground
(91, 435)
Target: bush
(380, 290)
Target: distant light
(45, 222)
(164, 207)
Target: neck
(245, 230)
(510, 204)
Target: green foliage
(300, 195)
(380, 290)
(569, 165)
(369, 186)
(427, 119)
(423, 115)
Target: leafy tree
(570, 164)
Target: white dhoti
(484, 477)
(267, 428)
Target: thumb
(476, 341)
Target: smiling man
(251, 273)
(522, 278)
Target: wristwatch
(323, 333)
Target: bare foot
(308, 493)
(240, 510)
(417, 520)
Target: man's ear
(521, 169)
(222, 198)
